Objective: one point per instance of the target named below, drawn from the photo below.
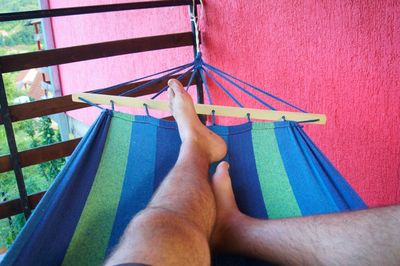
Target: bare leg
(176, 226)
(368, 237)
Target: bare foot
(229, 219)
(189, 125)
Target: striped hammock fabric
(276, 171)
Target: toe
(176, 86)
(221, 179)
(222, 186)
(227, 210)
(222, 169)
(171, 94)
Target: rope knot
(198, 61)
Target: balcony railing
(16, 160)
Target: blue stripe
(137, 188)
(245, 182)
(167, 151)
(243, 171)
(338, 188)
(223, 132)
(310, 192)
(46, 236)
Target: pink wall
(341, 58)
(99, 73)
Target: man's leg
(176, 226)
(367, 237)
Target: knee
(164, 236)
(151, 217)
(163, 224)
(166, 222)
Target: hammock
(276, 170)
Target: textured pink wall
(341, 58)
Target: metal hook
(213, 117)
(300, 123)
(308, 121)
(112, 105)
(147, 109)
(283, 118)
(248, 117)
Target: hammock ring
(248, 117)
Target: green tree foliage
(17, 5)
(10, 227)
(47, 135)
(14, 33)
(37, 178)
(16, 37)
(9, 84)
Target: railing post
(198, 81)
(5, 113)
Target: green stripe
(90, 240)
(279, 199)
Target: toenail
(171, 82)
